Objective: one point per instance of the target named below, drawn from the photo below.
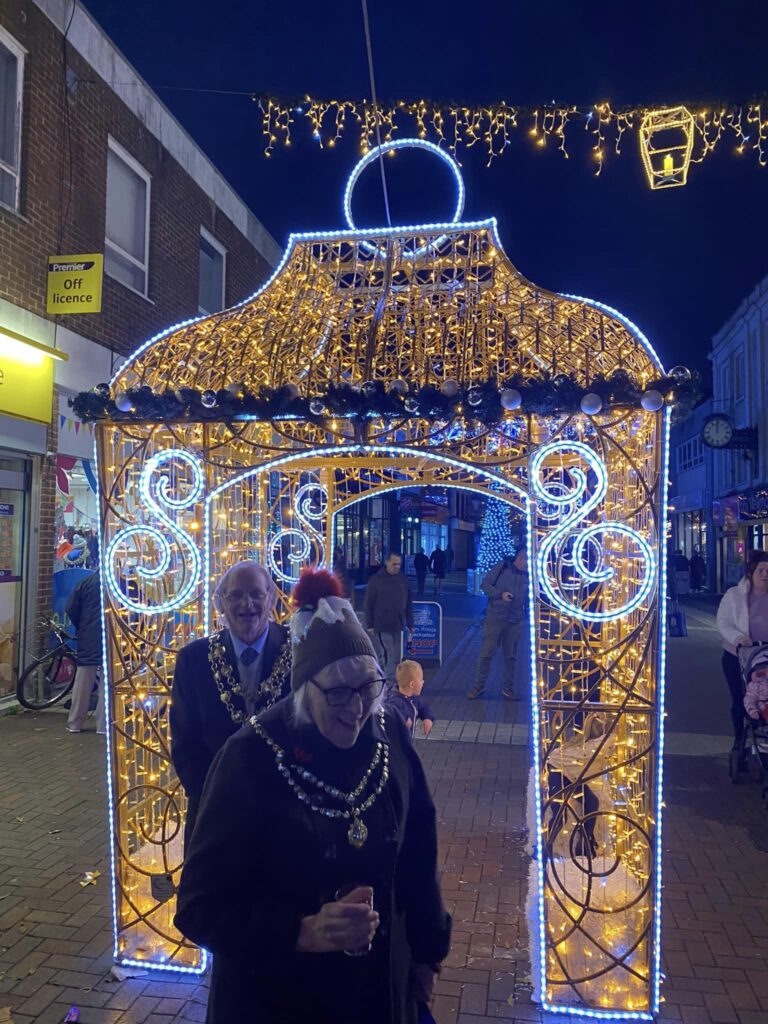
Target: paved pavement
(55, 938)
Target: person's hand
(506, 596)
(427, 726)
(409, 723)
(754, 716)
(371, 631)
(422, 982)
(349, 923)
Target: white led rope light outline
(582, 537)
(390, 147)
(181, 537)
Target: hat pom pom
(313, 585)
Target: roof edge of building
(93, 44)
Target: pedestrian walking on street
(312, 871)
(388, 611)
(223, 679)
(742, 619)
(438, 563)
(698, 572)
(506, 585)
(421, 568)
(84, 611)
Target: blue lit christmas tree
(498, 535)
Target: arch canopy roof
(423, 304)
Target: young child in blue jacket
(405, 697)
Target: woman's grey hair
(221, 587)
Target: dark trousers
(732, 672)
(498, 633)
(421, 580)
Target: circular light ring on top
(388, 147)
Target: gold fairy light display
(666, 144)
(370, 361)
(692, 133)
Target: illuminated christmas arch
(374, 360)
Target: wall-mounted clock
(717, 431)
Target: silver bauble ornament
(124, 402)
(450, 388)
(652, 400)
(236, 390)
(369, 389)
(102, 390)
(208, 399)
(474, 396)
(411, 404)
(680, 373)
(317, 407)
(510, 398)
(398, 387)
(292, 390)
(591, 403)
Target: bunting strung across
(670, 138)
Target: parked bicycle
(49, 678)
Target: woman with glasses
(312, 871)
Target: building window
(738, 376)
(126, 254)
(11, 90)
(690, 454)
(212, 275)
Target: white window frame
(126, 157)
(20, 54)
(216, 244)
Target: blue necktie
(249, 656)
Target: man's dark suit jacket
(199, 719)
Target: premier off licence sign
(74, 283)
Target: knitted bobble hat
(324, 627)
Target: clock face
(717, 431)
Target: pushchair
(751, 756)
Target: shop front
(741, 522)
(26, 405)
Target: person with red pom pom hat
(312, 871)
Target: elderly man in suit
(223, 679)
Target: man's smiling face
(248, 602)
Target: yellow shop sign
(74, 283)
(26, 377)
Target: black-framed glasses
(338, 696)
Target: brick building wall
(69, 114)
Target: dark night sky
(676, 262)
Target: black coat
(259, 861)
(84, 611)
(199, 720)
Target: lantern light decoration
(666, 145)
(495, 370)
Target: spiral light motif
(154, 494)
(577, 500)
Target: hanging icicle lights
(493, 126)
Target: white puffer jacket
(733, 615)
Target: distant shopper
(421, 568)
(405, 698)
(698, 572)
(742, 619)
(388, 611)
(507, 588)
(438, 563)
(84, 611)
(449, 558)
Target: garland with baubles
(486, 401)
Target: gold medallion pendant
(357, 833)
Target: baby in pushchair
(756, 679)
